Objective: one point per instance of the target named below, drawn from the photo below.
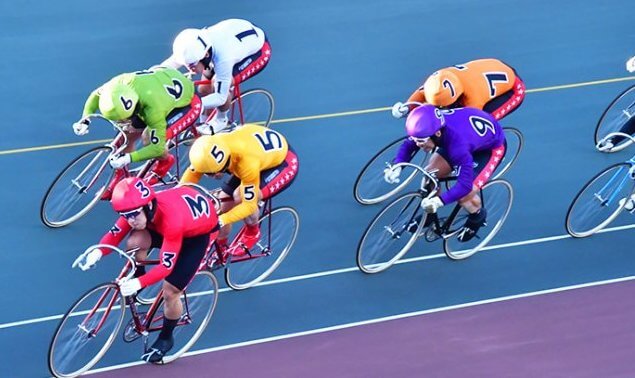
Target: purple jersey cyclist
(469, 140)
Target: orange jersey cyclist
(261, 164)
(486, 84)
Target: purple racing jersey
(466, 131)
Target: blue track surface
(327, 58)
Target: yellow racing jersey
(252, 149)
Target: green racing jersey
(160, 91)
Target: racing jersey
(230, 42)
(466, 131)
(181, 212)
(482, 80)
(160, 91)
(252, 149)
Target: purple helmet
(424, 121)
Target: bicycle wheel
(256, 106)
(77, 188)
(86, 331)
(497, 197)
(620, 110)
(598, 202)
(370, 186)
(199, 303)
(278, 232)
(391, 233)
(515, 143)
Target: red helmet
(131, 193)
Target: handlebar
(119, 129)
(426, 176)
(126, 254)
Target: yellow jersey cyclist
(147, 102)
(261, 164)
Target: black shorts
(192, 252)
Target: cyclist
(463, 137)
(182, 222)
(228, 53)
(628, 127)
(261, 164)
(150, 100)
(486, 84)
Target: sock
(252, 229)
(222, 115)
(168, 328)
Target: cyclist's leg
(487, 162)
(507, 102)
(272, 182)
(145, 240)
(189, 259)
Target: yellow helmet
(209, 154)
(117, 101)
(442, 88)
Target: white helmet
(189, 47)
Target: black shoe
(158, 350)
(472, 224)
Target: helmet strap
(150, 209)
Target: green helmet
(117, 101)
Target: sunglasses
(420, 140)
(131, 214)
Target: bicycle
(602, 199)
(403, 220)
(80, 185)
(244, 268)
(617, 113)
(371, 188)
(89, 327)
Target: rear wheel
(254, 106)
(278, 232)
(619, 111)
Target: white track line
(377, 320)
(353, 269)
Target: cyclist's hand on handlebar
(430, 205)
(119, 161)
(630, 65)
(129, 287)
(81, 127)
(391, 175)
(89, 261)
(399, 110)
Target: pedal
(130, 333)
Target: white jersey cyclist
(232, 49)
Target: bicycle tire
(256, 269)
(601, 130)
(372, 175)
(493, 211)
(47, 218)
(609, 196)
(368, 259)
(257, 107)
(78, 310)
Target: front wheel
(497, 197)
(253, 106)
(391, 233)
(278, 231)
(86, 331)
(600, 200)
(370, 186)
(77, 188)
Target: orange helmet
(442, 88)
